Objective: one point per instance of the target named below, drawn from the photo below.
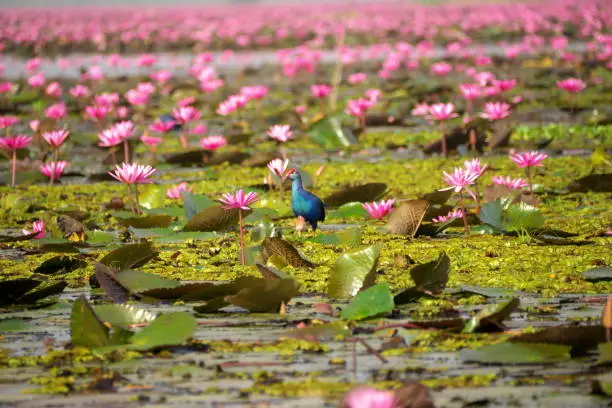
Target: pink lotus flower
(54, 90)
(33, 64)
(146, 87)
(459, 180)
(238, 200)
(484, 78)
(14, 142)
(146, 60)
(320, 91)
(107, 99)
(475, 166)
(6, 87)
(151, 141)
(369, 398)
(211, 85)
(213, 142)
(452, 215)
(357, 78)
(379, 209)
(8, 121)
(373, 95)
(162, 126)
(56, 111)
(185, 114)
(56, 138)
(422, 109)
(37, 80)
(442, 111)
(504, 84)
(124, 129)
(190, 100)
(441, 68)
(254, 92)
(198, 129)
(514, 183)
(122, 112)
(232, 103)
(137, 98)
(496, 110)
(470, 91)
(279, 167)
(34, 124)
(300, 109)
(97, 112)
(109, 138)
(358, 107)
(280, 133)
(176, 192)
(572, 85)
(132, 173)
(37, 226)
(80, 91)
(161, 76)
(54, 170)
(529, 159)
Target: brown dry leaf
(214, 218)
(284, 250)
(408, 217)
(413, 395)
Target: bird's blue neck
(296, 186)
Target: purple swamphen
(303, 203)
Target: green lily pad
(108, 281)
(274, 246)
(265, 296)
(86, 329)
(137, 281)
(361, 193)
(130, 256)
(523, 217)
(214, 218)
(12, 290)
(168, 329)
(432, 276)
(43, 291)
(354, 270)
(605, 353)
(350, 237)
(348, 210)
(518, 353)
(153, 197)
(491, 214)
(60, 265)
(600, 274)
(328, 133)
(147, 221)
(264, 228)
(123, 315)
(195, 203)
(369, 303)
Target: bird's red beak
(289, 172)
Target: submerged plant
(240, 201)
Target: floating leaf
(113, 288)
(188, 158)
(42, 292)
(265, 296)
(12, 290)
(199, 291)
(86, 330)
(233, 157)
(153, 197)
(147, 221)
(354, 270)
(321, 332)
(60, 265)
(438, 197)
(274, 246)
(328, 133)
(487, 292)
(195, 203)
(348, 210)
(491, 317)
(123, 315)
(602, 384)
(166, 330)
(369, 303)
(137, 281)
(432, 276)
(523, 217)
(350, 237)
(408, 217)
(491, 214)
(518, 353)
(270, 272)
(361, 193)
(600, 274)
(264, 228)
(130, 256)
(214, 218)
(594, 182)
(13, 325)
(580, 338)
(552, 240)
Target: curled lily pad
(270, 272)
(123, 315)
(168, 329)
(130, 256)
(348, 210)
(593, 182)
(137, 281)
(328, 133)
(354, 270)
(579, 338)
(42, 292)
(491, 317)
(147, 221)
(214, 218)
(267, 295)
(274, 246)
(59, 265)
(432, 276)
(12, 290)
(438, 197)
(86, 329)
(601, 274)
(195, 203)
(361, 193)
(191, 157)
(113, 288)
(369, 303)
(408, 217)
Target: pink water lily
(37, 227)
(379, 209)
(442, 111)
(80, 91)
(279, 168)
(452, 215)
(475, 166)
(151, 141)
(186, 114)
(8, 121)
(320, 91)
(132, 174)
(357, 78)
(12, 144)
(369, 398)
(97, 112)
(56, 111)
(240, 201)
(280, 133)
(176, 192)
(529, 159)
(459, 180)
(56, 137)
(162, 126)
(496, 110)
(572, 85)
(231, 104)
(213, 142)
(53, 170)
(421, 109)
(254, 92)
(54, 90)
(513, 183)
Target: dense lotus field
(366, 205)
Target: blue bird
(305, 204)
(169, 118)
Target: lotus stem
(465, 221)
(443, 141)
(13, 167)
(184, 141)
(242, 258)
(130, 198)
(126, 151)
(113, 156)
(477, 198)
(528, 175)
(137, 201)
(281, 189)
